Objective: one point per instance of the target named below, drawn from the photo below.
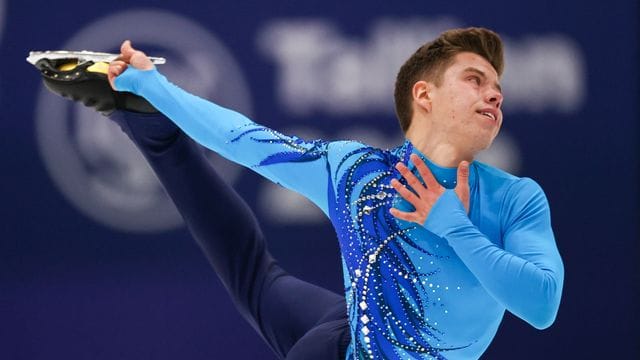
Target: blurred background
(96, 264)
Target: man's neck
(438, 150)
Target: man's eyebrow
(483, 75)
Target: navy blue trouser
(298, 320)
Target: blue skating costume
(432, 291)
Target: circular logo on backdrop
(91, 161)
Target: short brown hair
(432, 59)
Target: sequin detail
(389, 296)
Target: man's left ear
(421, 93)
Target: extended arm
(296, 164)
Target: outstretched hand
(426, 195)
(128, 56)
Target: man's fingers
(136, 58)
(139, 60)
(462, 188)
(111, 76)
(463, 173)
(126, 50)
(116, 68)
(424, 171)
(117, 65)
(405, 193)
(128, 56)
(403, 215)
(412, 180)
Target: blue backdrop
(94, 261)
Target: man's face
(467, 105)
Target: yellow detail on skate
(100, 67)
(68, 66)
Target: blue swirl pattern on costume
(414, 291)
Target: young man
(429, 272)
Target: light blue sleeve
(526, 276)
(287, 160)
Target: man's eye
(475, 79)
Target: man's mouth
(488, 113)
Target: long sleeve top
(436, 290)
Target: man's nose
(494, 97)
